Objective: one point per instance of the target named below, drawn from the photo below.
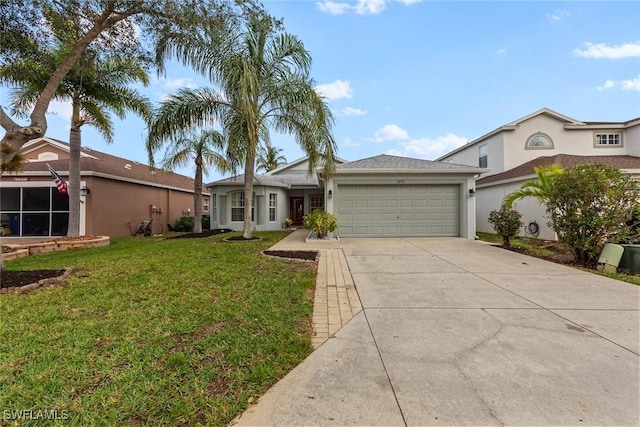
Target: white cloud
(370, 7)
(428, 148)
(349, 143)
(631, 84)
(333, 8)
(557, 15)
(350, 111)
(336, 90)
(390, 133)
(60, 109)
(362, 7)
(604, 51)
(170, 83)
(501, 51)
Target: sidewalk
(336, 300)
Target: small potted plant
(287, 223)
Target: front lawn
(149, 331)
(551, 251)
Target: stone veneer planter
(15, 254)
(54, 245)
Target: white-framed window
(316, 201)
(608, 139)
(273, 203)
(205, 205)
(237, 206)
(482, 156)
(539, 140)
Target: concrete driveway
(455, 332)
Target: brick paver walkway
(336, 300)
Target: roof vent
(127, 166)
(87, 148)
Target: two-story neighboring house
(545, 137)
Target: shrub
(320, 222)
(590, 206)
(206, 222)
(185, 223)
(287, 222)
(507, 223)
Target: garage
(398, 210)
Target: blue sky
(420, 78)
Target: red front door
(296, 210)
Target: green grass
(525, 244)
(532, 247)
(154, 332)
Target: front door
(296, 210)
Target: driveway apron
(456, 332)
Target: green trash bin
(630, 260)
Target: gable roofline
(513, 126)
(34, 144)
(548, 112)
(107, 166)
(294, 163)
(604, 125)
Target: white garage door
(398, 210)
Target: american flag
(60, 183)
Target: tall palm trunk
(248, 190)
(75, 142)
(197, 196)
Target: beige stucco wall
(566, 141)
(113, 205)
(490, 198)
(47, 151)
(507, 148)
(470, 155)
(632, 140)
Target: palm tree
(537, 188)
(269, 158)
(263, 75)
(94, 87)
(203, 150)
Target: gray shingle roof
(386, 161)
(564, 161)
(282, 180)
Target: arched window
(539, 140)
(47, 156)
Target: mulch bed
(206, 233)
(304, 255)
(11, 278)
(241, 239)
